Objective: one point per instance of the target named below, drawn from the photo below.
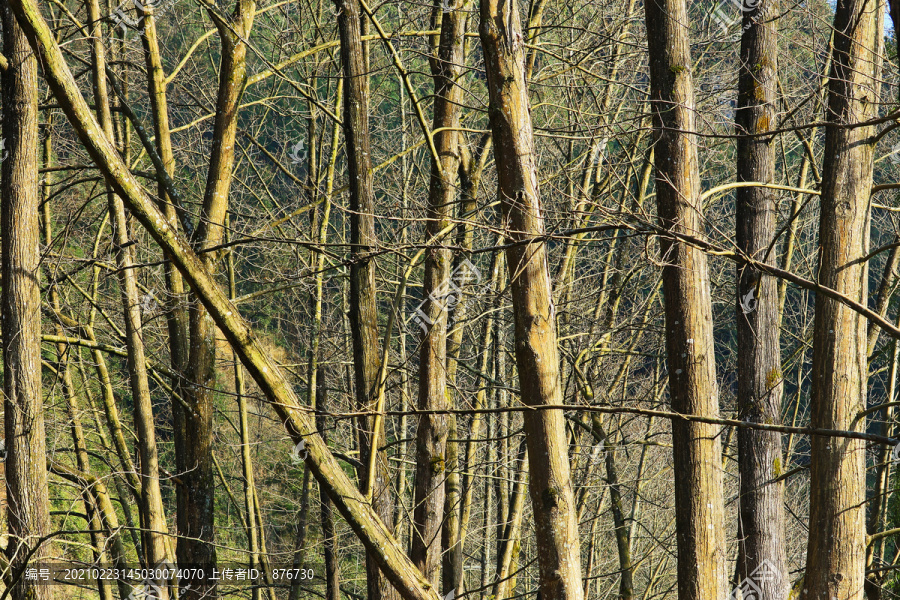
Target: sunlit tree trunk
(431, 434)
(688, 309)
(195, 432)
(835, 560)
(20, 302)
(537, 358)
(152, 514)
(177, 318)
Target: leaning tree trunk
(761, 522)
(28, 501)
(688, 310)
(363, 311)
(835, 560)
(537, 359)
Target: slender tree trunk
(329, 542)
(508, 543)
(20, 301)
(177, 318)
(487, 506)
(246, 457)
(363, 311)
(552, 500)
(835, 560)
(432, 431)
(453, 560)
(761, 522)
(400, 520)
(459, 494)
(688, 310)
(153, 519)
(622, 532)
(64, 371)
(193, 443)
(104, 588)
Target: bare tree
(155, 543)
(359, 514)
(195, 431)
(320, 218)
(432, 431)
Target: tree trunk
(552, 500)
(508, 542)
(329, 542)
(177, 318)
(153, 519)
(835, 560)
(246, 457)
(688, 311)
(761, 522)
(64, 372)
(363, 311)
(453, 573)
(623, 537)
(20, 301)
(194, 436)
(431, 435)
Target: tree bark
(552, 499)
(432, 431)
(761, 522)
(28, 501)
(194, 431)
(688, 311)
(363, 311)
(835, 561)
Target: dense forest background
(433, 221)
